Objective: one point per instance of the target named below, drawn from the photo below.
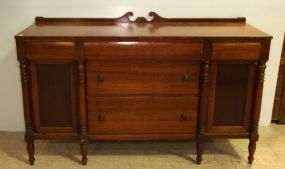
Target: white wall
(15, 15)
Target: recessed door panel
(231, 90)
(54, 97)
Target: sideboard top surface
(158, 27)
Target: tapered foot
(84, 161)
(252, 147)
(32, 161)
(251, 150)
(198, 159)
(31, 152)
(84, 151)
(199, 150)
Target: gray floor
(219, 154)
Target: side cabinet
(232, 87)
(53, 97)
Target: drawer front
(128, 50)
(138, 77)
(50, 49)
(142, 115)
(236, 51)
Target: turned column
(253, 138)
(203, 110)
(204, 100)
(29, 138)
(82, 112)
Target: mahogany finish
(157, 79)
(145, 115)
(142, 77)
(240, 51)
(53, 106)
(144, 50)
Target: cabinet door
(231, 94)
(53, 96)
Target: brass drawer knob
(186, 77)
(101, 117)
(183, 117)
(100, 78)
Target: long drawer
(141, 77)
(124, 115)
(143, 50)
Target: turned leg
(84, 150)
(256, 113)
(29, 138)
(251, 147)
(199, 150)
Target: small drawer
(50, 49)
(142, 115)
(142, 78)
(236, 50)
(143, 50)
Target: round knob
(100, 77)
(186, 77)
(183, 117)
(101, 116)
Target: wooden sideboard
(278, 113)
(159, 79)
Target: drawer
(142, 115)
(236, 51)
(139, 77)
(50, 49)
(145, 50)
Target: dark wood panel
(130, 78)
(54, 97)
(236, 50)
(280, 82)
(278, 94)
(276, 109)
(142, 115)
(50, 49)
(231, 97)
(153, 50)
(281, 119)
(278, 113)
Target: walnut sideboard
(143, 79)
